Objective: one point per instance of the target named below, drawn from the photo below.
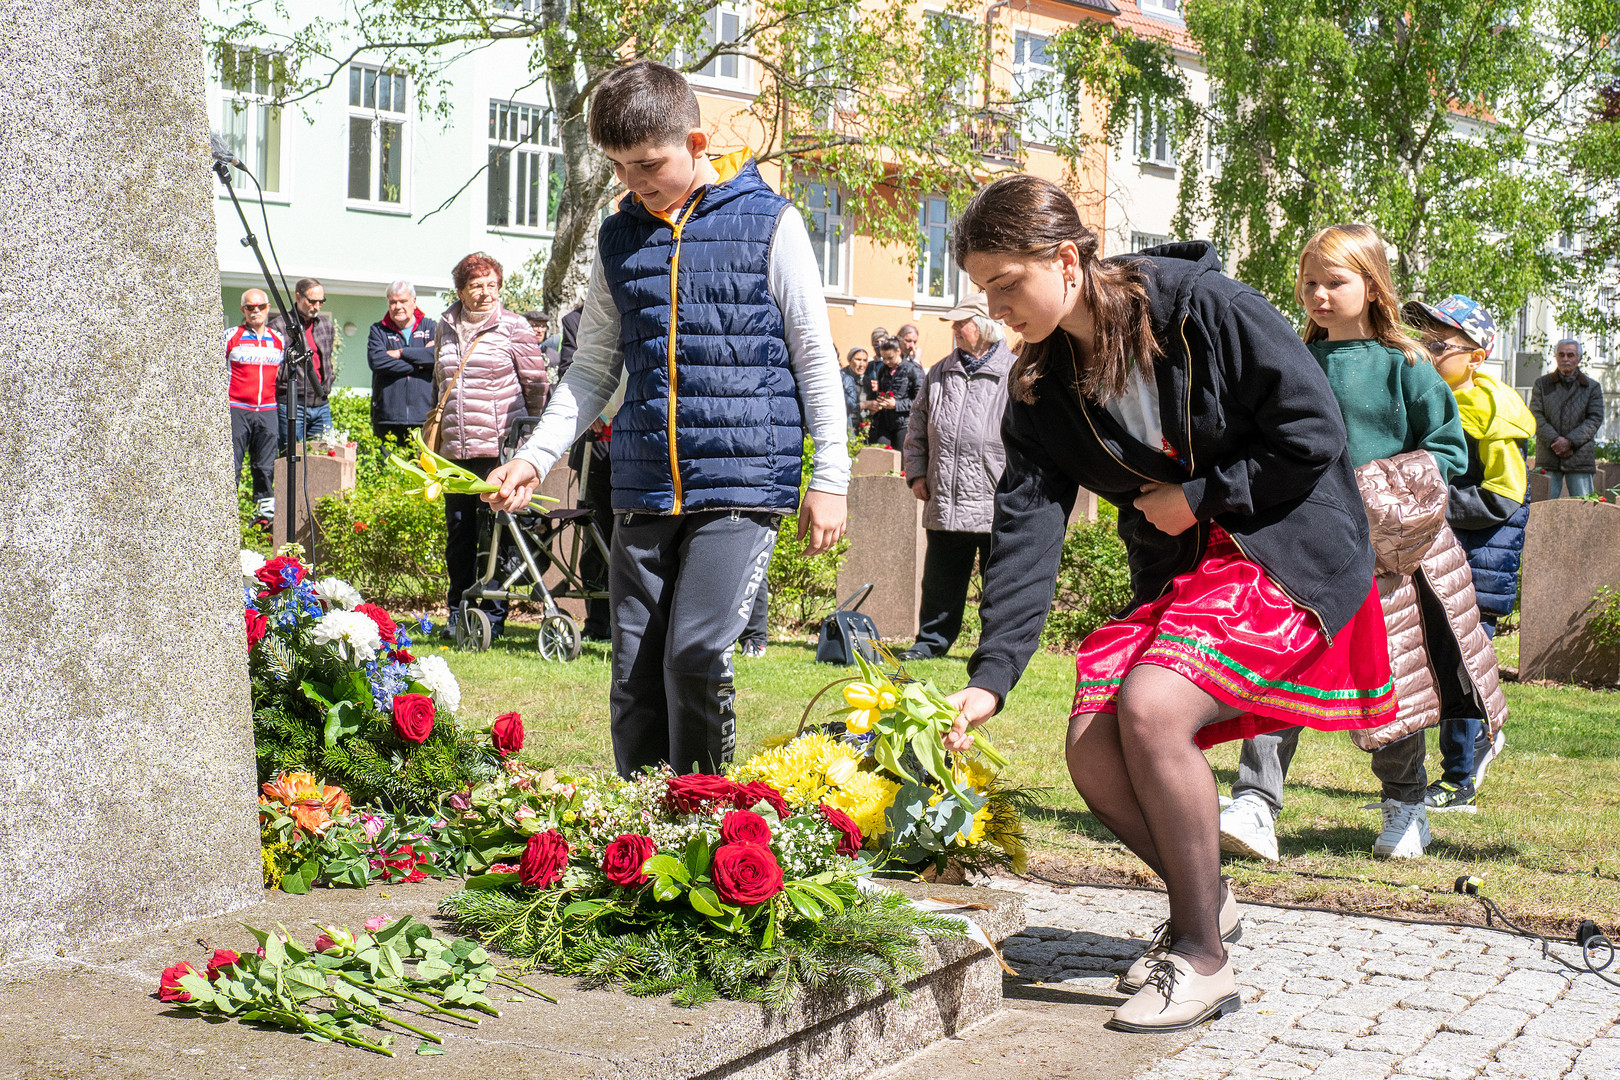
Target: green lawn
(1546, 839)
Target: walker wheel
(559, 637)
(473, 630)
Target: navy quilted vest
(737, 426)
(1493, 555)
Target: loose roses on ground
(413, 717)
(543, 859)
(169, 988)
(624, 858)
(745, 874)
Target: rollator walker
(538, 542)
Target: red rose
(270, 573)
(744, 827)
(751, 795)
(624, 858)
(169, 984)
(507, 734)
(257, 626)
(850, 839)
(543, 859)
(745, 874)
(222, 959)
(385, 625)
(404, 656)
(413, 717)
(698, 792)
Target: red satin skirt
(1226, 626)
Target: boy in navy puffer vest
(706, 299)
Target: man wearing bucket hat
(954, 459)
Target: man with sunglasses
(317, 373)
(253, 359)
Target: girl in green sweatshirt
(1392, 404)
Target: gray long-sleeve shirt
(593, 379)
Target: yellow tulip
(861, 721)
(432, 492)
(861, 695)
(840, 771)
(428, 464)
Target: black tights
(1149, 784)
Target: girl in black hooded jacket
(1189, 402)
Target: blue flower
(402, 640)
(425, 626)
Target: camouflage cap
(1463, 314)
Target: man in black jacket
(400, 352)
(316, 373)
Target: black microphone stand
(296, 352)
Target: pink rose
(377, 922)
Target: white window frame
(1045, 123)
(935, 244)
(727, 72)
(830, 233)
(1162, 9)
(524, 141)
(362, 77)
(244, 113)
(966, 92)
(1141, 240)
(1155, 141)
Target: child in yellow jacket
(1487, 509)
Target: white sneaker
(1497, 745)
(1247, 828)
(1406, 831)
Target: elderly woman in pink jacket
(489, 371)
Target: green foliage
(1604, 621)
(1093, 583)
(802, 587)
(654, 948)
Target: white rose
(252, 562)
(337, 594)
(434, 674)
(352, 634)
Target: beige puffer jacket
(505, 378)
(1405, 500)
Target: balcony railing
(994, 134)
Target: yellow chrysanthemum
(816, 768)
(866, 798)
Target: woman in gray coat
(954, 457)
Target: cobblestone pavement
(1344, 997)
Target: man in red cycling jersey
(253, 356)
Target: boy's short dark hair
(643, 102)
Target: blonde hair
(1359, 249)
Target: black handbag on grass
(848, 632)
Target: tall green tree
(873, 97)
(1452, 126)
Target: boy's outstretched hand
(518, 479)
(822, 516)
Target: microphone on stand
(221, 150)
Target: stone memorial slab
(1571, 550)
(321, 473)
(126, 745)
(886, 547)
(876, 461)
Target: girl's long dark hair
(1027, 216)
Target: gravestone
(886, 545)
(876, 461)
(1571, 550)
(126, 745)
(320, 473)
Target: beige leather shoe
(1231, 930)
(1176, 998)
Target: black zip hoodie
(1250, 413)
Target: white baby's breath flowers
(352, 634)
(433, 673)
(337, 593)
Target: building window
(824, 218)
(953, 35)
(251, 81)
(377, 136)
(721, 24)
(525, 166)
(1172, 8)
(1155, 142)
(1141, 241)
(1035, 81)
(936, 277)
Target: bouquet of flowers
(337, 691)
(440, 476)
(697, 885)
(883, 762)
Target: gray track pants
(1264, 762)
(681, 590)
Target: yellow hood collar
(1490, 410)
(727, 166)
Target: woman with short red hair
(489, 371)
